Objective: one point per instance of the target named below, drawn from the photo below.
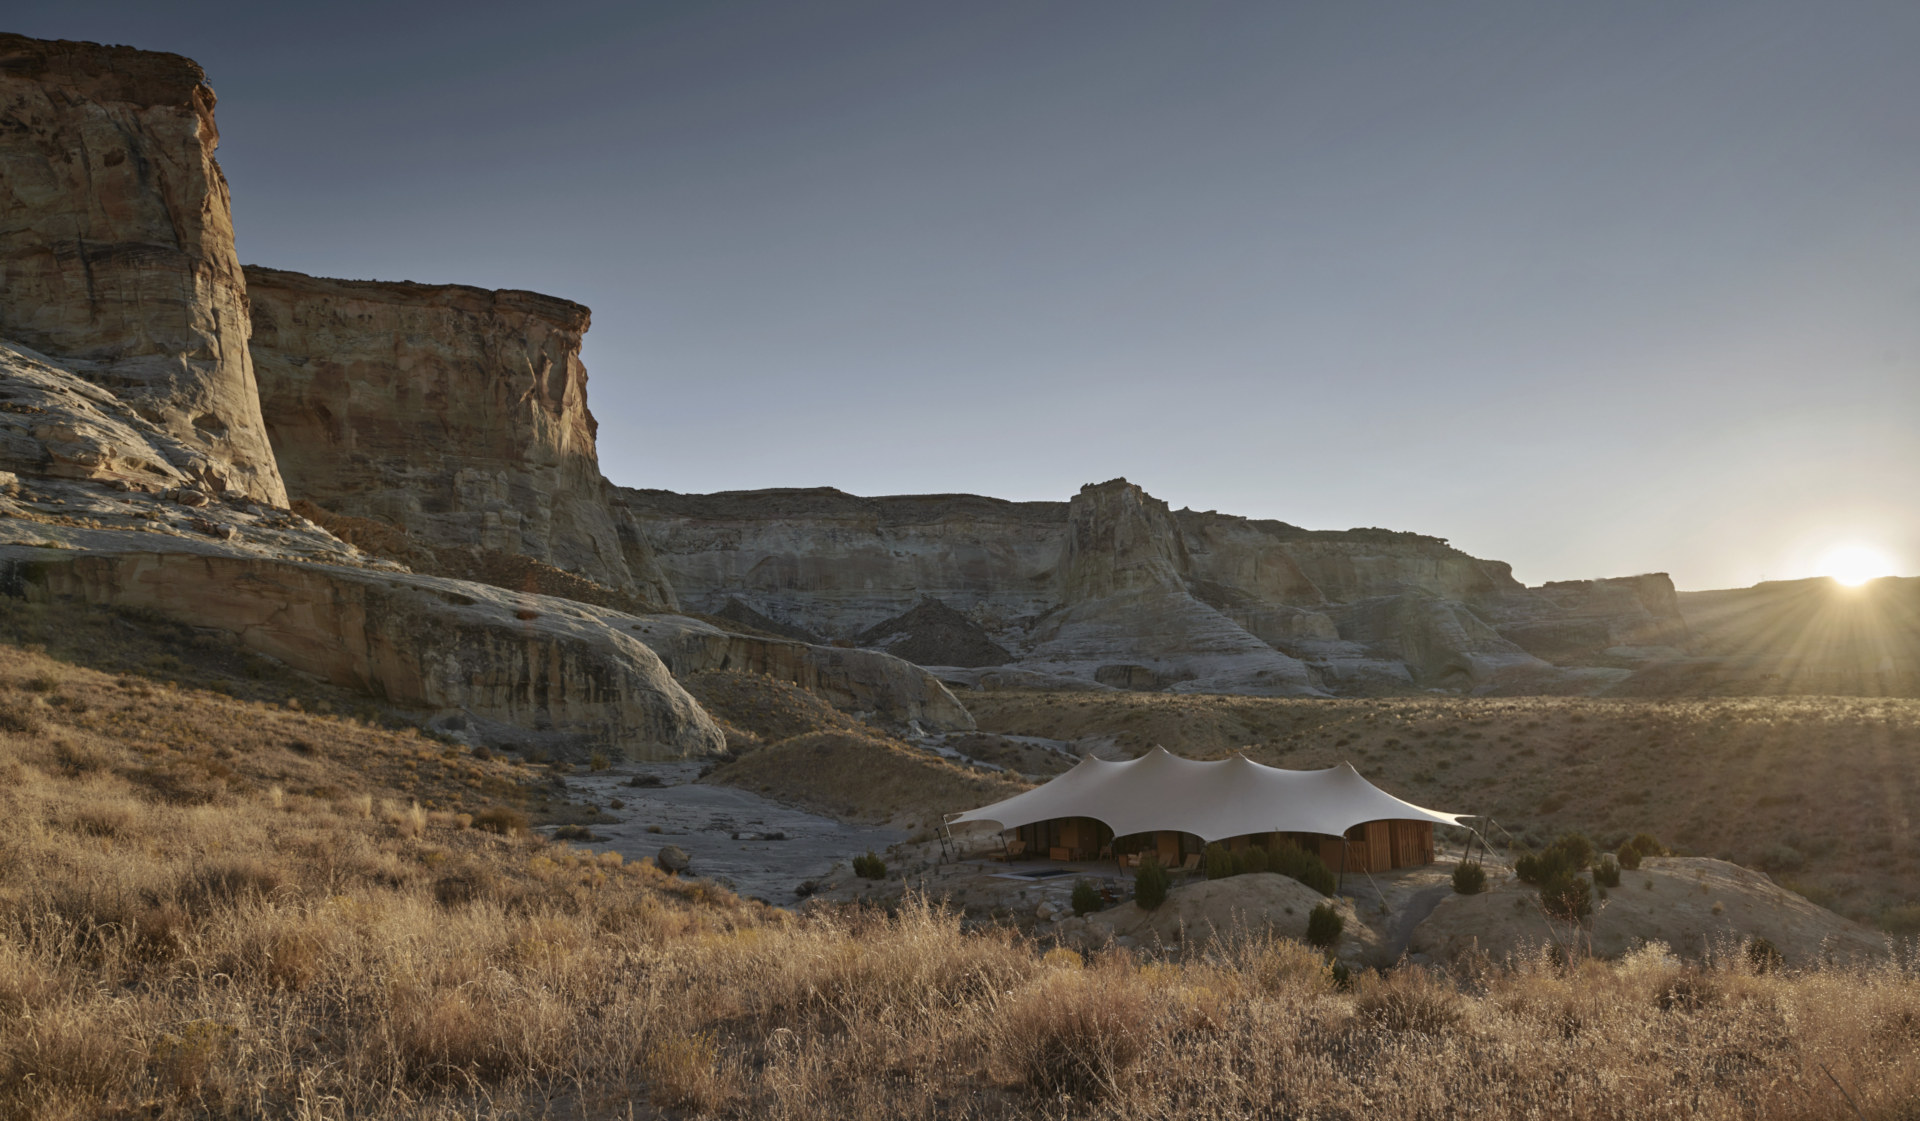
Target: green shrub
(598, 761)
(1086, 897)
(1150, 883)
(1578, 849)
(1217, 861)
(1781, 858)
(1646, 845)
(1324, 925)
(1252, 859)
(1567, 896)
(1607, 872)
(1568, 854)
(1469, 878)
(870, 867)
(1628, 856)
(1292, 860)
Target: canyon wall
(835, 565)
(1114, 587)
(457, 414)
(116, 248)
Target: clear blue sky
(1591, 288)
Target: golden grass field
(1821, 792)
(201, 918)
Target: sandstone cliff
(117, 248)
(1114, 588)
(835, 564)
(457, 414)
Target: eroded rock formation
(117, 248)
(549, 667)
(455, 413)
(1114, 588)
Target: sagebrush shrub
(1150, 883)
(1086, 897)
(1292, 860)
(1217, 861)
(870, 866)
(1324, 925)
(1628, 856)
(1469, 878)
(1567, 896)
(1646, 845)
(1606, 873)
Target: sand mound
(1694, 905)
(763, 709)
(865, 777)
(933, 634)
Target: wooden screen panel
(1379, 846)
(1412, 843)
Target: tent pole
(1341, 883)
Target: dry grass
(253, 949)
(1818, 791)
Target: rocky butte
(457, 413)
(117, 251)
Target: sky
(1594, 289)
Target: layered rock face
(1128, 617)
(117, 248)
(543, 668)
(456, 413)
(834, 564)
(1115, 588)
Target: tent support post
(1341, 883)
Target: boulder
(673, 859)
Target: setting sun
(1853, 565)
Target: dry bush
(1075, 1032)
(1409, 1000)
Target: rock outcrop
(1128, 617)
(865, 682)
(513, 667)
(117, 248)
(457, 414)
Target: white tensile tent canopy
(1212, 800)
